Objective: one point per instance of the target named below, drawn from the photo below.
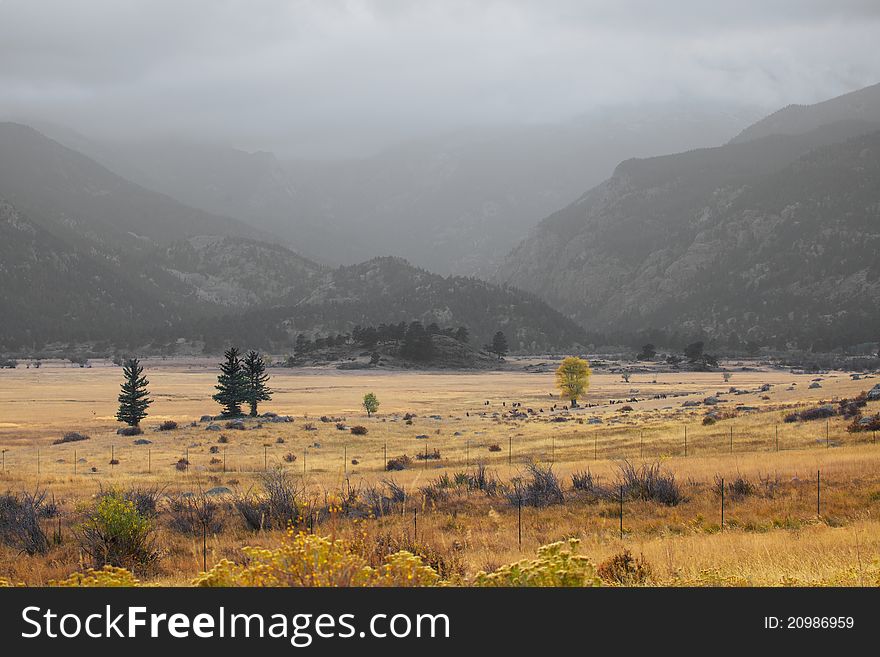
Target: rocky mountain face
(771, 238)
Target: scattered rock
(219, 490)
(815, 385)
(710, 401)
(206, 418)
(212, 427)
(143, 441)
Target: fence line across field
(617, 445)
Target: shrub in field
(479, 479)
(168, 425)
(20, 528)
(70, 437)
(539, 488)
(116, 534)
(195, 514)
(736, 489)
(223, 439)
(290, 457)
(494, 447)
(309, 560)
(130, 431)
(401, 462)
(624, 569)
(275, 505)
(382, 499)
(864, 424)
(428, 456)
(587, 483)
(108, 576)
(359, 430)
(649, 483)
(144, 499)
(818, 413)
(386, 545)
(556, 564)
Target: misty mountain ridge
(89, 256)
(770, 239)
(452, 203)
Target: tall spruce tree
(499, 345)
(255, 372)
(133, 394)
(232, 384)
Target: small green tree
(232, 384)
(255, 372)
(133, 394)
(499, 345)
(573, 378)
(370, 403)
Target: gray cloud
(327, 76)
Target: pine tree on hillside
(255, 372)
(499, 345)
(232, 384)
(133, 399)
(417, 343)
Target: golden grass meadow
(467, 512)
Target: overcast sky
(331, 77)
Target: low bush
(116, 534)
(108, 576)
(359, 430)
(736, 489)
(494, 447)
(624, 569)
(556, 564)
(587, 483)
(540, 487)
(401, 462)
(20, 515)
(649, 483)
(275, 505)
(428, 456)
(195, 514)
(168, 425)
(70, 437)
(307, 560)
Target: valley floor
(772, 534)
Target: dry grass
(769, 539)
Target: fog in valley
(481, 139)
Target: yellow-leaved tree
(573, 378)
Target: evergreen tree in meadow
(499, 345)
(232, 384)
(255, 372)
(133, 394)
